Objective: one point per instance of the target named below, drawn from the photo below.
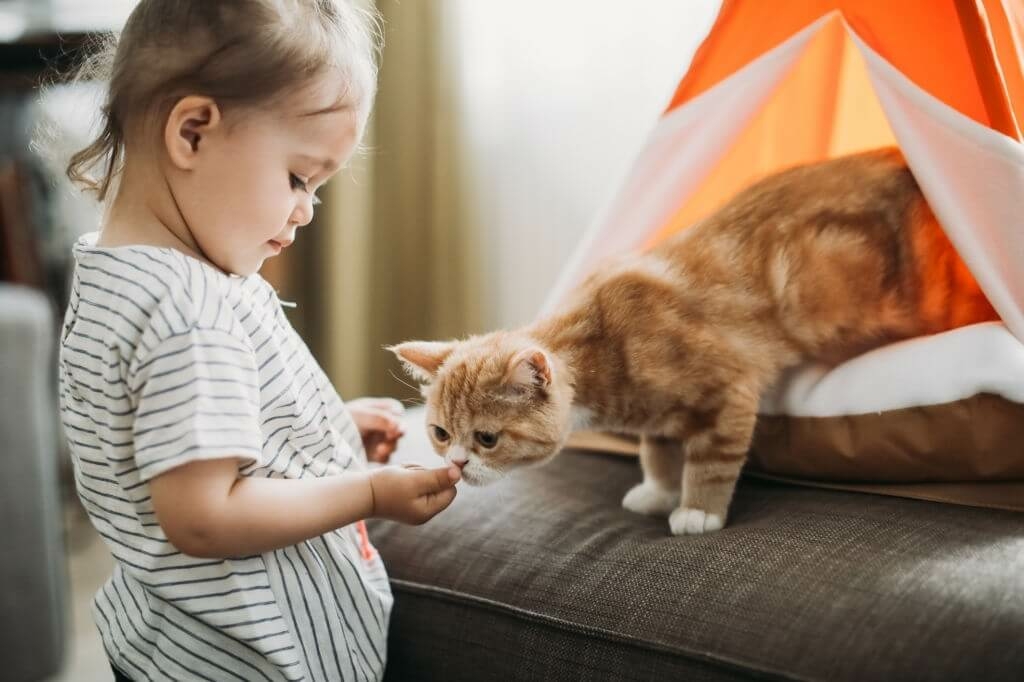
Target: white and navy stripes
(165, 360)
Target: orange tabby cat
(820, 262)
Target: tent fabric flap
(712, 143)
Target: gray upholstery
(543, 576)
(33, 574)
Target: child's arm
(207, 510)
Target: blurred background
(500, 131)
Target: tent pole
(990, 83)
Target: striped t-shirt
(166, 360)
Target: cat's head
(494, 402)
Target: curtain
(386, 259)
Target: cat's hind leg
(714, 459)
(662, 462)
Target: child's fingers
(388, 405)
(392, 440)
(379, 454)
(438, 502)
(378, 420)
(382, 452)
(437, 480)
(446, 497)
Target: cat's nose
(458, 457)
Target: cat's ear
(529, 368)
(422, 359)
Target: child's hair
(241, 53)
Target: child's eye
(297, 182)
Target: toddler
(210, 450)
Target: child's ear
(422, 359)
(191, 120)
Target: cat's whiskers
(403, 382)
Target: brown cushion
(545, 576)
(800, 450)
(974, 439)
(944, 408)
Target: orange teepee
(783, 83)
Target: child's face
(254, 184)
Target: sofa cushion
(545, 576)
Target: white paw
(686, 521)
(648, 498)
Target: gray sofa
(33, 573)
(545, 577)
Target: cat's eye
(440, 434)
(485, 439)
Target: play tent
(777, 84)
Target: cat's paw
(687, 521)
(649, 498)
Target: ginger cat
(820, 262)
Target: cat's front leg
(662, 462)
(714, 459)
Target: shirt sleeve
(198, 398)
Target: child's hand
(379, 425)
(412, 494)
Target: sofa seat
(543, 576)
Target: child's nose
(303, 214)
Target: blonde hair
(244, 54)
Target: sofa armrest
(33, 571)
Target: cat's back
(854, 183)
(841, 215)
(864, 192)
(841, 255)
(835, 257)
